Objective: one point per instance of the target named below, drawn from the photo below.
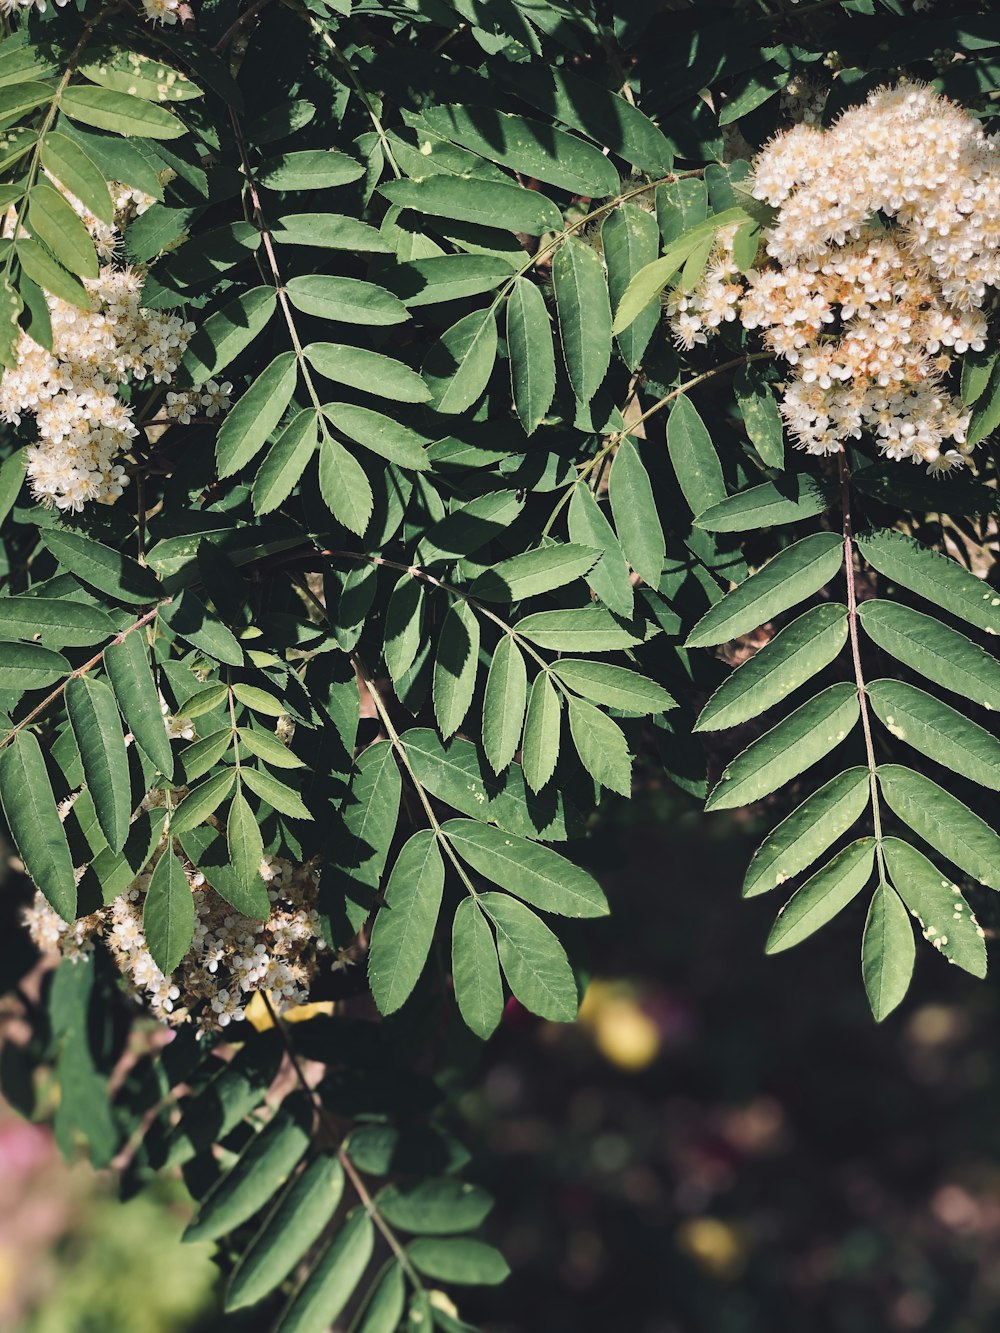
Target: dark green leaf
(823, 896)
(887, 952)
(504, 703)
(30, 810)
(584, 311)
(533, 960)
(937, 652)
(535, 873)
(541, 732)
(97, 727)
(636, 518)
(532, 359)
(936, 577)
(168, 913)
(475, 970)
(943, 821)
(935, 729)
(699, 472)
(456, 667)
(945, 918)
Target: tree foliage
(472, 537)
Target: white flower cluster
(884, 246)
(166, 12)
(231, 957)
(83, 426)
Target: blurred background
(726, 1143)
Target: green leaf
(118, 112)
(334, 1277)
(887, 952)
(101, 567)
(456, 667)
(528, 147)
(533, 572)
(370, 371)
(265, 745)
(93, 715)
(462, 1261)
(542, 726)
(824, 895)
(636, 518)
(126, 71)
(345, 300)
(590, 108)
(761, 418)
(279, 796)
(775, 671)
(535, 873)
(203, 801)
(937, 652)
(258, 700)
(533, 960)
(488, 203)
(938, 731)
(532, 358)
(977, 367)
(630, 240)
(330, 231)
(246, 846)
(54, 222)
(168, 913)
(30, 810)
(383, 436)
(16, 99)
(370, 813)
(586, 629)
(475, 970)
(204, 754)
(943, 821)
(60, 622)
(404, 925)
(388, 1301)
(70, 164)
(403, 626)
(986, 414)
(692, 453)
(609, 578)
(226, 333)
(458, 367)
(644, 288)
(795, 744)
(945, 917)
(42, 269)
(261, 1169)
(787, 579)
(189, 618)
(504, 703)
(247, 427)
(344, 486)
(288, 1232)
(435, 1207)
(808, 831)
(12, 469)
(310, 169)
(127, 665)
(584, 311)
(613, 686)
(768, 506)
(29, 666)
(441, 278)
(602, 746)
(286, 461)
(938, 578)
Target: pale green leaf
(630, 240)
(30, 810)
(462, 1261)
(533, 572)
(246, 846)
(372, 372)
(938, 578)
(542, 727)
(455, 667)
(345, 300)
(602, 746)
(458, 367)
(943, 821)
(613, 686)
(383, 436)
(945, 918)
(488, 203)
(286, 461)
(227, 332)
(344, 486)
(587, 629)
(768, 506)
(127, 665)
(693, 455)
(531, 354)
(609, 578)
(246, 428)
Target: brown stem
(852, 627)
(350, 1170)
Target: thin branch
(350, 1170)
(852, 626)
